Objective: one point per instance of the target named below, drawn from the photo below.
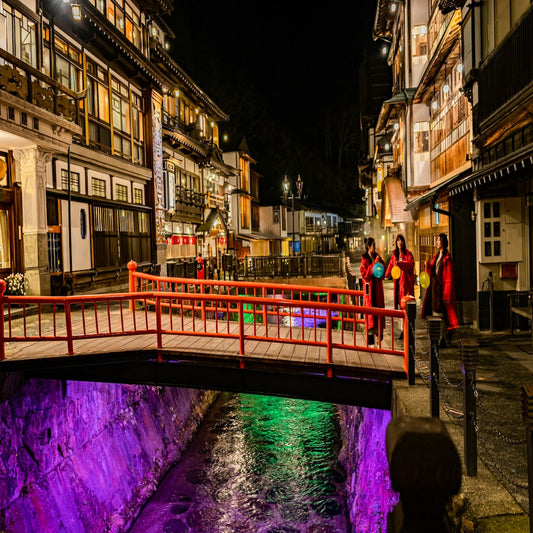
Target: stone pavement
(496, 500)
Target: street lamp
(288, 194)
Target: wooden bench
(516, 307)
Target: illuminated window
(245, 213)
(137, 196)
(74, 181)
(121, 192)
(18, 34)
(245, 173)
(98, 187)
(420, 43)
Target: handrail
(179, 313)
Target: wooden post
(469, 362)
(158, 322)
(410, 307)
(68, 326)
(2, 331)
(425, 469)
(241, 331)
(132, 266)
(527, 416)
(434, 325)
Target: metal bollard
(527, 416)
(434, 327)
(425, 469)
(469, 362)
(410, 307)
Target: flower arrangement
(16, 284)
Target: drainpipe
(438, 210)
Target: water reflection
(259, 464)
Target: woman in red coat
(404, 260)
(439, 299)
(373, 295)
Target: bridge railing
(328, 325)
(143, 282)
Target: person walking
(373, 295)
(439, 299)
(404, 285)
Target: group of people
(439, 299)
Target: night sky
(287, 76)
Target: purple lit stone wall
(369, 494)
(87, 456)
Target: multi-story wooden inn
(107, 148)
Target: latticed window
(138, 196)
(74, 181)
(121, 192)
(99, 187)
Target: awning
(521, 161)
(401, 98)
(434, 191)
(394, 201)
(214, 219)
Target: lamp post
(288, 194)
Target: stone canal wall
(80, 456)
(369, 494)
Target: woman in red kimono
(373, 295)
(439, 299)
(404, 260)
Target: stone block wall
(78, 456)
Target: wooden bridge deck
(199, 344)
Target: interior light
(446, 88)
(167, 46)
(384, 50)
(434, 105)
(387, 146)
(396, 126)
(393, 7)
(212, 124)
(76, 11)
(460, 67)
(154, 31)
(176, 93)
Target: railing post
(202, 305)
(241, 331)
(425, 469)
(158, 322)
(2, 331)
(265, 308)
(68, 326)
(132, 266)
(410, 307)
(329, 343)
(527, 416)
(469, 362)
(434, 326)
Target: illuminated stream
(258, 464)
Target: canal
(258, 464)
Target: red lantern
(185, 240)
(168, 240)
(175, 239)
(223, 240)
(192, 240)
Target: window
(68, 65)
(245, 173)
(121, 192)
(121, 119)
(18, 34)
(138, 196)
(4, 174)
(499, 228)
(74, 180)
(245, 213)
(420, 44)
(99, 187)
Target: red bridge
(266, 338)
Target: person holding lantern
(402, 269)
(372, 269)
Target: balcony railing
(25, 82)
(508, 71)
(192, 130)
(215, 200)
(189, 197)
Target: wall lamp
(76, 11)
